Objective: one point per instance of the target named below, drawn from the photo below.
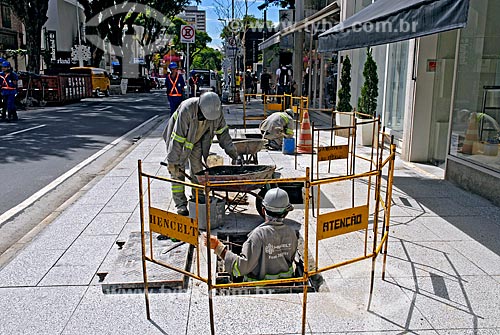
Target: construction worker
(175, 87)
(193, 84)
(8, 83)
(270, 249)
(276, 126)
(189, 135)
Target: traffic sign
(187, 34)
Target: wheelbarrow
(227, 173)
(248, 149)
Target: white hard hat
(210, 105)
(289, 111)
(276, 201)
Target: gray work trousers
(178, 190)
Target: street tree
(33, 14)
(119, 27)
(344, 103)
(208, 58)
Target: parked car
(100, 79)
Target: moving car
(209, 81)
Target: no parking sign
(187, 34)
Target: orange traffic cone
(305, 137)
(471, 135)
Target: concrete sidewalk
(443, 274)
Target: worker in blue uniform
(175, 87)
(8, 84)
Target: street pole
(80, 59)
(187, 69)
(298, 55)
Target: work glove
(173, 169)
(215, 244)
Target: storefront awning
(270, 41)
(387, 21)
(330, 10)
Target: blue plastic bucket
(289, 146)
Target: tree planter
(365, 133)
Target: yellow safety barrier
(328, 224)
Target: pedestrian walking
(175, 87)
(188, 137)
(265, 83)
(269, 251)
(8, 83)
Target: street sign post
(188, 37)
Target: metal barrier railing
(327, 224)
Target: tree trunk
(33, 38)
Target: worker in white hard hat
(189, 135)
(276, 126)
(270, 249)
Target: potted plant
(367, 102)
(344, 102)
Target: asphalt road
(47, 142)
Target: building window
(475, 126)
(6, 21)
(396, 86)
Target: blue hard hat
(172, 65)
(193, 72)
(5, 64)
(2, 60)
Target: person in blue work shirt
(175, 87)
(8, 80)
(194, 87)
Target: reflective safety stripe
(177, 188)
(220, 131)
(178, 138)
(282, 275)
(176, 115)
(282, 115)
(174, 87)
(236, 270)
(189, 145)
(289, 131)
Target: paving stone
(80, 262)
(233, 314)
(125, 271)
(469, 331)
(29, 267)
(471, 301)
(100, 313)
(345, 308)
(37, 310)
(107, 224)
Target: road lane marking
(104, 108)
(22, 131)
(26, 203)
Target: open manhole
(234, 241)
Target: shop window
(475, 129)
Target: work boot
(183, 211)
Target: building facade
(193, 15)
(12, 38)
(439, 96)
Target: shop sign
(333, 152)
(51, 42)
(342, 222)
(173, 225)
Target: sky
(214, 26)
